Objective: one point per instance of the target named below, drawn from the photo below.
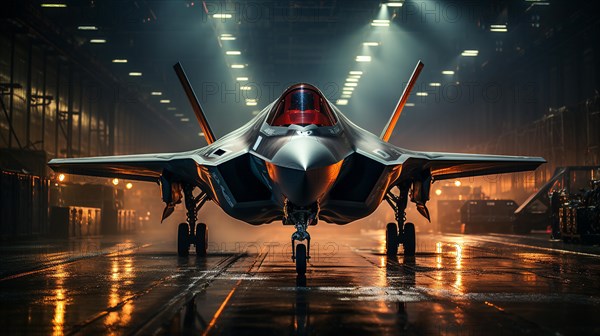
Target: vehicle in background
(478, 216)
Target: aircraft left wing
(141, 167)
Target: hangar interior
(95, 78)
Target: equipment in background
(448, 215)
(538, 212)
(579, 215)
(479, 216)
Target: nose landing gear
(301, 217)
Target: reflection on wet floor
(454, 285)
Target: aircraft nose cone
(304, 170)
(304, 153)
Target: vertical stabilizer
(189, 92)
(389, 128)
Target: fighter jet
(299, 161)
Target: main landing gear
(401, 233)
(301, 218)
(190, 233)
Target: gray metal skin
(251, 172)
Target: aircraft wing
(142, 167)
(456, 165)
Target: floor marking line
(537, 247)
(213, 321)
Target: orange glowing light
(61, 177)
(129, 185)
(115, 181)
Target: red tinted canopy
(302, 105)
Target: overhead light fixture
(245, 88)
(222, 16)
(498, 26)
(233, 52)
(351, 84)
(135, 74)
(201, 134)
(371, 44)
(119, 60)
(54, 5)
(115, 181)
(363, 58)
(227, 38)
(185, 119)
(241, 79)
(171, 108)
(178, 115)
(380, 23)
(422, 94)
(350, 79)
(354, 76)
(348, 89)
(356, 72)
(342, 102)
(435, 84)
(156, 93)
(237, 66)
(87, 28)
(251, 102)
(61, 177)
(447, 72)
(394, 4)
(346, 96)
(165, 101)
(97, 41)
(409, 104)
(499, 30)
(346, 92)
(470, 53)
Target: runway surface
(467, 285)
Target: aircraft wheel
(183, 240)
(391, 239)
(301, 259)
(201, 239)
(410, 240)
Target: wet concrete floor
(463, 285)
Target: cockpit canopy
(303, 105)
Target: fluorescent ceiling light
(394, 4)
(356, 72)
(241, 79)
(156, 93)
(348, 89)
(498, 26)
(447, 72)
(227, 38)
(350, 84)
(171, 108)
(346, 92)
(380, 23)
(245, 88)
(409, 104)
(354, 76)
(422, 94)
(371, 44)
(165, 101)
(185, 119)
(342, 102)
(435, 84)
(135, 74)
(363, 58)
(87, 28)
(351, 79)
(53, 5)
(221, 16)
(233, 52)
(346, 96)
(470, 53)
(251, 103)
(237, 66)
(119, 60)
(97, 41)
(498, 30)
(201, 134)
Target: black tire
(391, 239)
(410, 240)
(201, 239)
(183, 240)
(301, 259)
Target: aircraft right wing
(456, 165)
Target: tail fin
(189, 92)
(389, 128)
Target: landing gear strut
(189, 233)
(403, 233)
(301, 217)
